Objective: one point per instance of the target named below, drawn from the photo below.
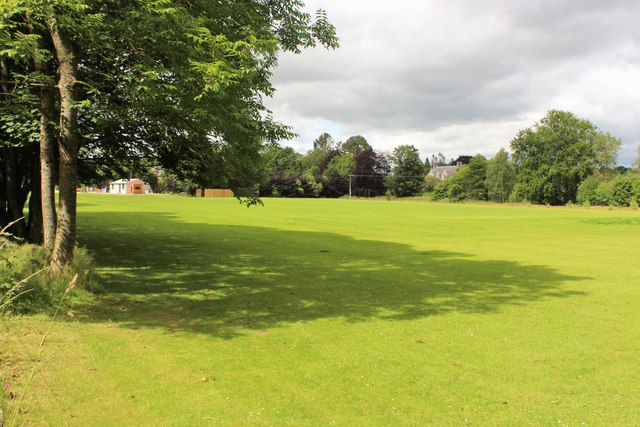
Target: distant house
(444, 172)
(136, 186)
(125, 186)
(120, 186)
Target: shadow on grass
(219, 279)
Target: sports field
(342, 312)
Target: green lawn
(342, 312)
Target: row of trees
(325, 170)
(551, 161)
(95, 85)
(331, 168)
(561, 159)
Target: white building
(120, 186)
(124, 186)
(443, 172)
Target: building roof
(126, 181)
(442, 172)
(445, 168)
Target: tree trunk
(47, 162)
(35, 207)
(69, 144)
(4, 216)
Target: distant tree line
(325, 170)
(561, 159)
(332, 169)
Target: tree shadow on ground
(222, 279)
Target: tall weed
(26, 284)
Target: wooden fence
(213, 192)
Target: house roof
(446, 168)
(126, 181)
(442, 172)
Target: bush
(456, 192)
(334, 185)
(441, 190)
(587, 190)
(279, 185)
(594, 191)
(18, 262)
(603, 195)
(430, 183)
(518, 194)
(625, 189)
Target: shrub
(441, 190)
(625, 188)
(279, 185)
(603, 195)
(430, 183)
(587, 190)
(334, 185)
(18, 262)
(456, 192)
(518, 194)
(595, 191)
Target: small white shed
(120, 186)
(125, 186)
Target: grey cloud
(424, 65)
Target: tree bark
(47, 162)
(69, 144)
(35, 206)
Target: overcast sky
(463, 76)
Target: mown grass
(346, 312)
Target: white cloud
(462, 77)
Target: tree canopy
(407, 171)
(355, 144)
(554, 156)
(501, 177)
(179, 81)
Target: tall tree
(554, 156)
(369, 171)
(472, 179)
(313, 162)
(407, 172)
(501, 177)
(427, 166)
(180, 80)
(283, 160)
(324, 142)
(636, 164)
(336, 175)
(19, 171)
(355, 144)
(606, 147)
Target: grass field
(341, 312)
